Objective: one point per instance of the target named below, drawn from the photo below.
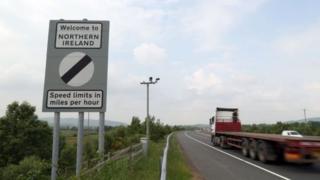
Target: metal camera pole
(148, 116)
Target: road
(216, 163)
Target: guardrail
(163, 175)
(131, 152)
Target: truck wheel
(263, 151)
(245, 147)
(253, 149)
(266, 152)
(223, 143)
(216, 141)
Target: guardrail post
(144, 142)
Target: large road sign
(76, 68)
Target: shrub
(29, 168)
(67, 159)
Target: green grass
(177, 167)
(146, 168)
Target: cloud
(129, 22)
(300, 44)
(313, 87)
(202, 80)
(150, 54)
(215, 85)
(20, 82)
(6, 33)
(212, 78)
(209, 21)
(19, 75)
(121, 79)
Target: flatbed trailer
(264, 147)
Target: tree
(21, 135)
(135, 126)
(158, 130)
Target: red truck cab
(226, 120)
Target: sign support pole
(101, 133)
(79, 144)
(55, 146)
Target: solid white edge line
(235, 157)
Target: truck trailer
(226, 133)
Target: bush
(120, 137)
(108, 140)
(29, 168)
(67, 159)
(90, 150)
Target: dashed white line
(204, 134)
(235, 157)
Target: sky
(261, 56)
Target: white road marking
(235, 157)
(204, 134)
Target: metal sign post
(101, 133)
(79, 143)
(55, 145)
(76, 76)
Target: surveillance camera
(150, 78)
(157, 79)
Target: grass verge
(147, 168)
(177, 168)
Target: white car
(291, 133)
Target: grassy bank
(145, 168)
(178, 168)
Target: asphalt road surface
(216, 163)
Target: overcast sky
(258, 55)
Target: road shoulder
(195, 173)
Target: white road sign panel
(78, 35)
(74, 99)
(76, 66)
(76, 69)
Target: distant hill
(195, 126)
(201, 125)
(73, 122)
(313, 119)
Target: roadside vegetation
(178, 167)
(25, 146)
(308, 129)
(144, 168)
